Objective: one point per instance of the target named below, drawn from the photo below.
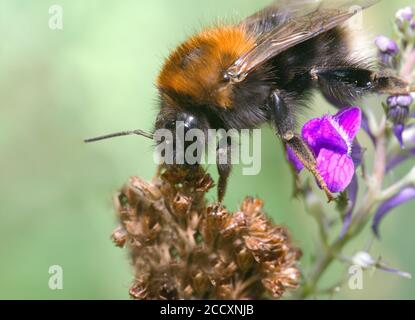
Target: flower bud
(398, 111)
(404, 101)
(392, 101)
(405, 14)
(398, 115)
(409, 137)
(387, 46)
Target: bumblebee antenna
(121, 134)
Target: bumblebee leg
(224, 166)
(341, 86)
(297, 183)
(285, 125)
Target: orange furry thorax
(195, 69)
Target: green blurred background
(97, 76)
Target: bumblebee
(265, 69)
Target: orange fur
(195, 69)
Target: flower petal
(405, 100)
(320, 133)
(405, 14)
(291, 157)
(398, 130)
(399, 273)
(401, 198)
(336, 169)
(399, 158)
(357, 153)
(386, 45)
(392, 101)
(366, 128)
(349, 120)
(352, 192)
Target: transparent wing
(295, 22)
(281, 11)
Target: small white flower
(364, 260)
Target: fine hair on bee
(265, 69)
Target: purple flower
(398, 130)
(400, 101)
(294, 160)
(331, 139)
(401, 198)
(388, 51)
(398, 113)
(405, 14)
(384, 267)
(397, 159)
(387, 46)
(366, 128)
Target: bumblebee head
(181, 127)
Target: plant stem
(359, 221)
(408, 68)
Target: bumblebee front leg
(285, 124)
(224, 165)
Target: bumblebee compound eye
(183, 135)
(170, 125)
(190, 137)
(174, 120)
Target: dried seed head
(183, 248)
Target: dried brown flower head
(182, 248)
